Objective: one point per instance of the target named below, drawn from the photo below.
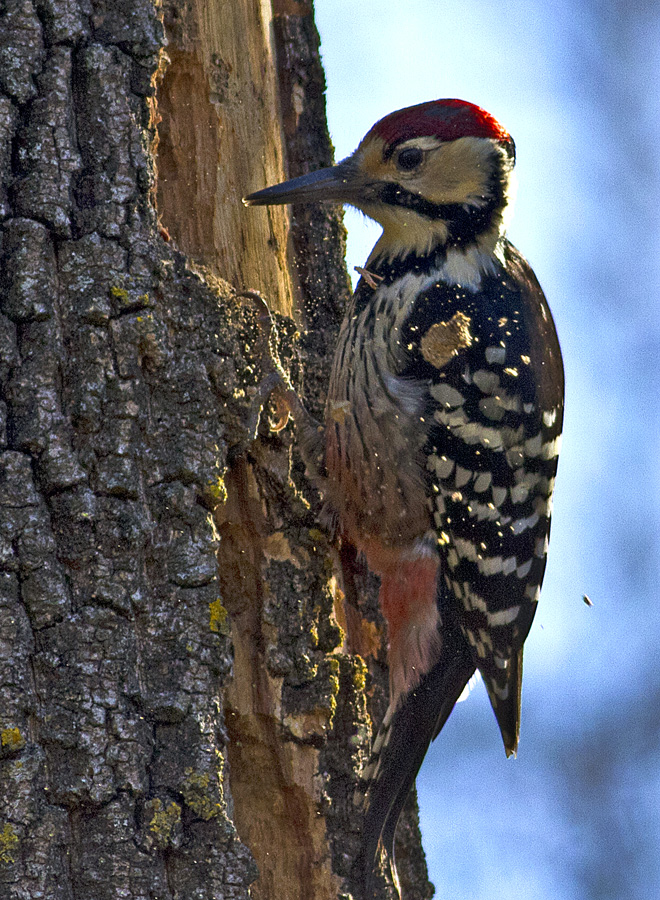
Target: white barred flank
(484, 511)
(499, 495)
(550, 417)
(541, 547)
(534, 480)
(487, 382)
(496, 406)
(461, 548)
(519, 493)
(371, 769)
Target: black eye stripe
(409, 158)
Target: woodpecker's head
(436, 176)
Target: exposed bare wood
(220, 138)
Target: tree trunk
(180, 694)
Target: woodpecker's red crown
(446, 120)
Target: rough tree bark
(180, 694)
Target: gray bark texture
(183, 713)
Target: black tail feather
(507, 708)
(415, 723)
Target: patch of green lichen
(119, 293)
(164, 821)
(333, 666)
(11, 739)
(8, 843)
(359, 674)
(333, 678)
(329, 686)
(202, 795)
(218, 617)
(218, 490)
(214, 493)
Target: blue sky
(577, 815)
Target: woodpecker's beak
(339, 183)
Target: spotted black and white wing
(495, 404)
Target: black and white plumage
(442, 429)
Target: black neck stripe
(465, 222)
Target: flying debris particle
(587, 600)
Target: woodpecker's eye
(409, 158)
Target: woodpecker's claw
(372, 279)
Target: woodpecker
(442, 427)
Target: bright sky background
(577, 815)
